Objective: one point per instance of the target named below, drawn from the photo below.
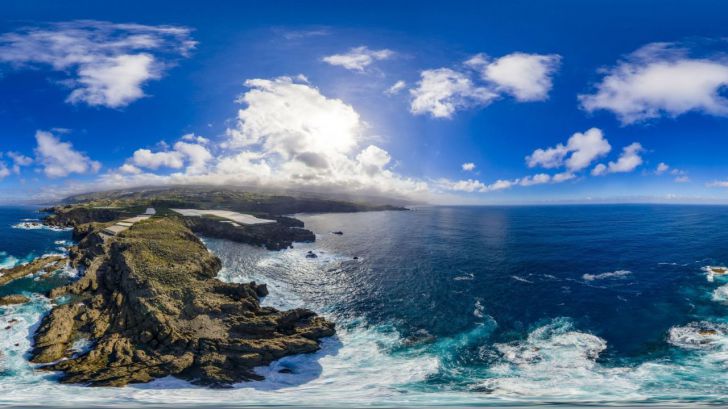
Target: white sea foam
(699, 335)
(521, 279)
(603, 276)
(479, 311)
(710, 275)
(35, 225)
(720, 294)
(7, 261)
(465, 277)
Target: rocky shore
(150, 306)
(45, 265)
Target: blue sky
(503, 102)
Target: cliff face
(72, 216)
(150, 306)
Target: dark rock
(311, 254)
(261, 290)
(338, 233)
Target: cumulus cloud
(194, 156)
(441, 92)
(661, 79)
(468, 166)
(358, 58)
(59, 158)
(287, 135)
(527, 77)
(106, 64)
(579, 152)
(396, 88)
(628, 161)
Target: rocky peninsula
(149, 305)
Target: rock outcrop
(151, 306)
(45, 265)
(273, 236)
(13, 299)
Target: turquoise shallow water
(459, 305)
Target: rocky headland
(150, 306)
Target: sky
(443, 102)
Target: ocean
(521, 305)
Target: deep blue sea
(604, 304)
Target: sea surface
(598, 304)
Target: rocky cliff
(150, 306)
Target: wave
(8, 261)
(37, 225)
(521, 279)
(464, 277)
(602, 276)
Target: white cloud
(579, 152)
(563, 177)
(358, 58)
(4, 171)
(197, 156)
(191, 137)
(192, 155)
(106, 64)
(527, 77)
(443, 91)
(59, 158)
(130, 169)
(289, 118)
(287, 135)
(472, 185)
(662, 167)
(600, 169)
(469, 185)
(145, 158)
(628, 161)
(538, 179)
(548, 158)
(373, 159)
(19, 161)
(468, 166)
(661, 79)
(682, 179)
(718, 183)
(440, 92)
(396, 88)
